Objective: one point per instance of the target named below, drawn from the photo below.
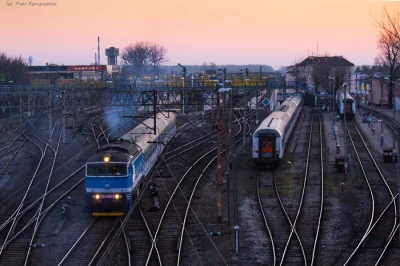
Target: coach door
(267, 146)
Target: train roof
(119, 151)
(277, 120)
(143, 133)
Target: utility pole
(232, 174)
(398, 175)
(224, 73)
(212, 108)
(394, 113)
(345, 128)
(74, 108)
(257, 107)
(372, 94)
(20, 109)
(245, 118)
(224, 131)
(184, 85)
(333, 100)
(63, 113)
(219, 161)
(202, 105)
(10, 108)
(49, 109)
(155, 111)
(381, 106)
(29, 101)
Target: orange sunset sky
(194, 31)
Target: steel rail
(301, 199)
(322, 195)
(64, 259)
(373, 201)
(265, 218)
(36, 227)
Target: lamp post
(370, 89)
(381, 106)
(357, 88)
(398, 175)
(331, 79)
(10, 82)
(345, 128)
(394, 112)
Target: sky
(277, 33)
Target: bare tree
(13, 69)
(144, 56)
(389, 58)
(212, 66)
(157, 55)
(389, 26)
(204, 67)
(339, 75)
(320, 72)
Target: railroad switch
(153, 189)
(65, 211)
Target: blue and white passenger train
(116, 173)
(270, 138)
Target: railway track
(310, 220)
(303, 224)
(370, 244)
(22, 233)
(18, 221)
(171, 246)
(19, 235)
(35, 256)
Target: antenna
(98, 50)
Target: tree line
(13, 70)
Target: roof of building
(329, 60)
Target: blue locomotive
(116, 173)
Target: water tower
(112, 53)
(30, 59)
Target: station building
(52, 73)
(314, 70)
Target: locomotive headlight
(97, 196)
(117, 196)
(106, 159)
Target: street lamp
(333, 98)
(345, 128)
(9, 84)
(394, 111)
(357, 88)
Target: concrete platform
(374, 140)
(334, 136)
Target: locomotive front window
(100, 169)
